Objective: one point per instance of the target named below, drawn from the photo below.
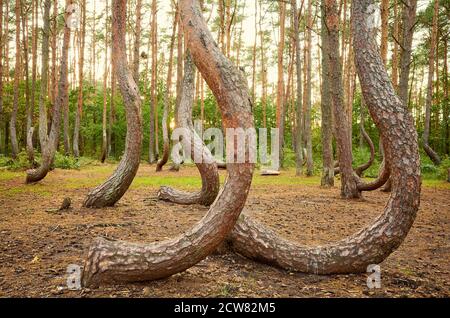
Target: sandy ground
(37, 243)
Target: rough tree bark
(137, 41)
(376, 242)
(165, 126)
(17, 76)
(280, 85)
(153, 114)
(208, 167)
(2, 145)
(429, 100)
(104, 154)
(29, 129)
(308, 87)
(49, 142)
(115, 187)
(408, 24)
(299, 106)
(349, 188)
(110, 261)
(327, 109)
(79, 109)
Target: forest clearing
(34, 261)
(224, 149)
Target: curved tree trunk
(165, 129)
(208, 167)
(119, 261)
(374, 243)
(115, 187)
(383, 178)
(49, 142)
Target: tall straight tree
(155, 73)
(54, 31)
(17, 77)
(384, 29)
(28, 133)
(432, 57)
(308, 87)
(280, 85)
(165, 127)
(327, 108)
(299, 95)
(263, 68)
(395, 49)
(408, 25)
(79, 109)
(105, 91)
(137, 41)
(349, 183)
(50, 142)
(34, 39)
(153, 135)
(2, 145)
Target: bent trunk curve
(208, 167)
(377, 241)
(110, 261)
(114, 188)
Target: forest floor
(37, 243)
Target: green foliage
(21, 162)
(443, 168)
(66, 162)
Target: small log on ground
(267, 173)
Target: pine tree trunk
(113, 261)
(349, 187)
(50, 142)
(429, 101)
(2, 144)
(207, 167)
(153, 136)
(308, 85)
(79, 109)
(263, 70)
(384, 29)
(105, 95)
(446, 110)
(29, 129)
(137, 41)
(327, 109)
(299, 106)
(17, 77)
(408, 23)
(115, 187)
(280, 85)
(165, 127)
(377, 241)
